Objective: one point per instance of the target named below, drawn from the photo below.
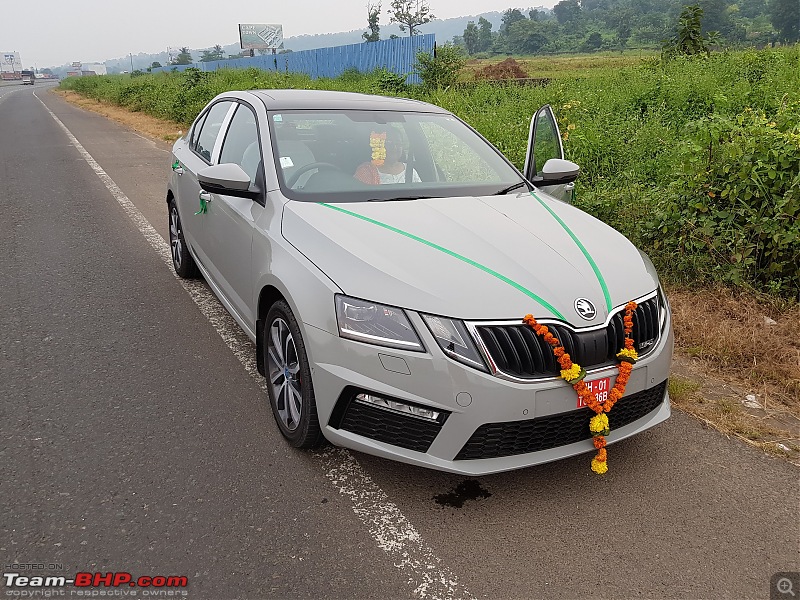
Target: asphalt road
(134, 439)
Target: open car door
(545, 166)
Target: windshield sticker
(277, 118)
(286, 162)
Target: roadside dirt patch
(730, 346)
(507, 69)
(161, 131)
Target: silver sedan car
(382, 255)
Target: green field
(696, 160)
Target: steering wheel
(306, 168)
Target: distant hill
(445, 30)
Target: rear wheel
(182, 260)
(289, 386)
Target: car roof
(327, 100)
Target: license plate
(599, 387)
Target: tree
(184, 57)
(623, 21)
(373, 16)
(593, 42)
(485, 35)
(510, 16)
(567, 11)
(688, 38)
(216, 53)
(715, 15)
(527, 37)
(472, 37)
(785, 17)
(410, 14)
(155, 65)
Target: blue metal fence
(397, 55)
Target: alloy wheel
(283, 369)
(175, 237)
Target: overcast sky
(50, 33)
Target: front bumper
(471, 399)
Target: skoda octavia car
(382, 254)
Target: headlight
(663, 306)
(375, 324)
(454, 340)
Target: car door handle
(178, 170)
(205, 196)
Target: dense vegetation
(591, 25)
(696, 159)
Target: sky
(52, 33)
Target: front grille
(391, 427)
(518, 351)
(494, 440)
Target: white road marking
(387, 525)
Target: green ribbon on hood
(469, 261)
(583, 249)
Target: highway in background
(135, 440)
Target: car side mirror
(228, 179)
(557, 171)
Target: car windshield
(359, 156)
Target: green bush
(390, 83)
(442, 69)
(734, 210)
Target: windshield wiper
(510, 188)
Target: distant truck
(28, 77)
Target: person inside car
(386, 165)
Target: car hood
(495, 257)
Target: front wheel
(289, 386)
(182, 260)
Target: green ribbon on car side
(203, 207)
(460, 257)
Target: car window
(241, 145)
(456, 159)
(361, 155)
(196, 132)
(210, 130)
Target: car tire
(288, 373)
(182, 260)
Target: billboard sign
(10, 62)
(260, 36)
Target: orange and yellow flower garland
(574, 374)
(377, 141)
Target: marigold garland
(377, 141)
(574, 374)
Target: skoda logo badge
(585, 309)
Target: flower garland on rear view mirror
(377, 141)
(574, 374)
